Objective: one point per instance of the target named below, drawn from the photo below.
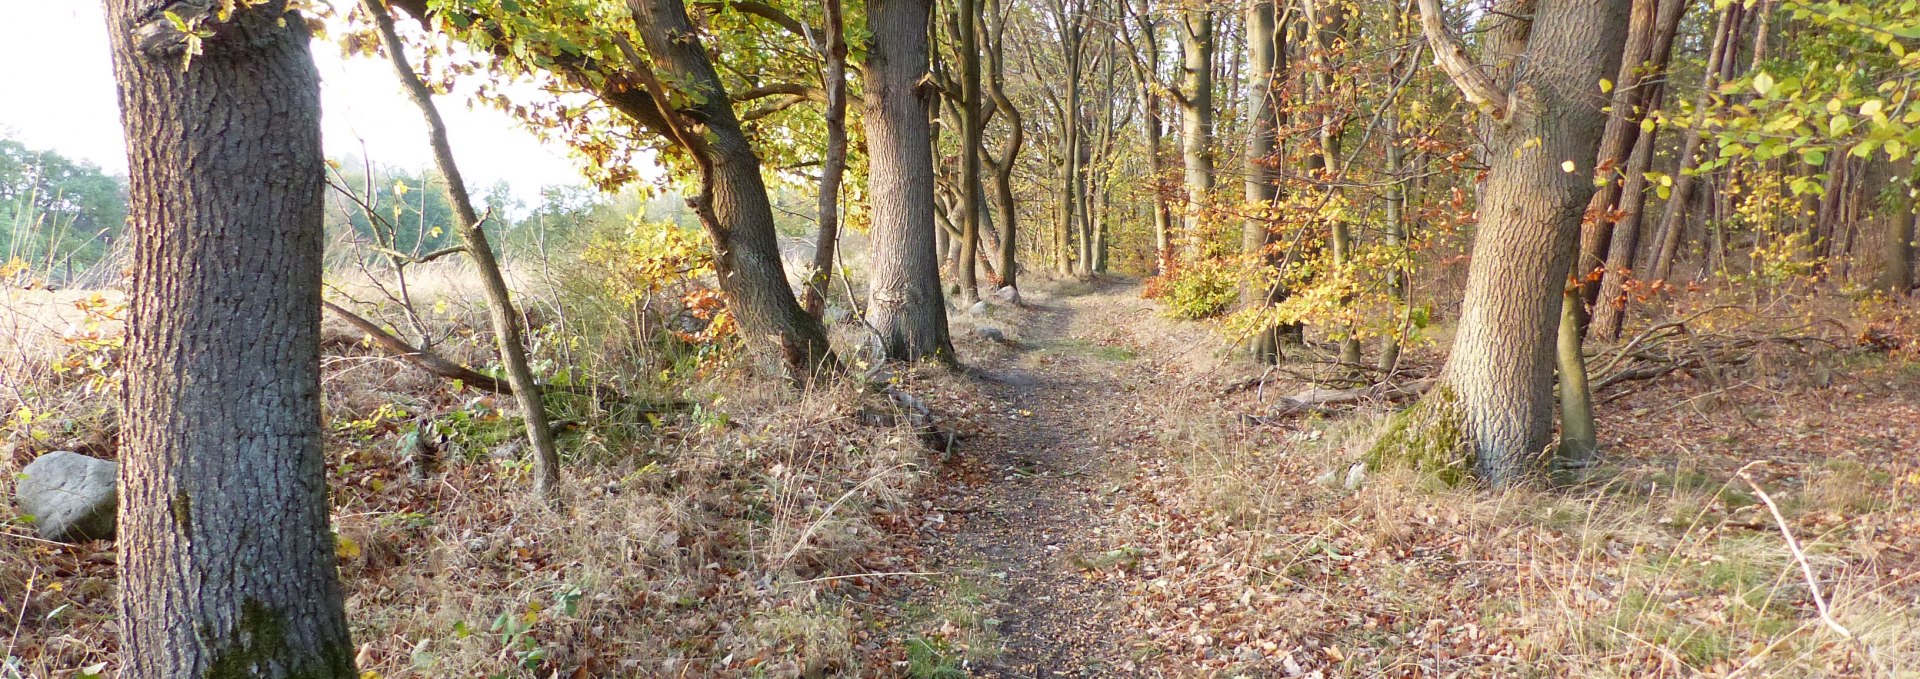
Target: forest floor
(1121, 510)
(1036, 496)
(1123, 498)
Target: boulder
(71, 497)
(991, 334)
(1008, 294)
(978, 308)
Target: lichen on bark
(1430, 438)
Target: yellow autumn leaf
(345, 548)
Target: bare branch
(1451, 55)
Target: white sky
(57, 92)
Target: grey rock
(991, 334)
(1356, 475)
(978, 308)
(71, 497)
(1008, 294)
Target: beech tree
(226, 561)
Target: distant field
(33, 323)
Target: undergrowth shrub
(1201, 289)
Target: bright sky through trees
(65, 102)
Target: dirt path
(1041, 508)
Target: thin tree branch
(1451, 55)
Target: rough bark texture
(226, 561)
(732, 203)
(500, 310)
(1499, 377)
(905, 304)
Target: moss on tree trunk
(1430, 438)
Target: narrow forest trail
(1040, 507)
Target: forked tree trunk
(1494, 405)
(904, 303)
(1642, 68)
(225, 559)
(500, 310)
(1609, 308)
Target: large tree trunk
(1196, 109)
(226, 560)
(905, 304)
(732, 203)
(500, 310)
(1495, 402)
(833, 167)
(1266, 54)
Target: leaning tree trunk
(226, 561)
(1494, 404)
(732, 203)
(1642, 70)
(1672, 223)
(1608, 309)
(500, 310)
(905, 304)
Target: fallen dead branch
(1324, 401)
(1673, 347)
(444, 367)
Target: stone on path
(71, 497)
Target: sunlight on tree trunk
(225, 558)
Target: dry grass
(746, 537)
(1261, 562)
